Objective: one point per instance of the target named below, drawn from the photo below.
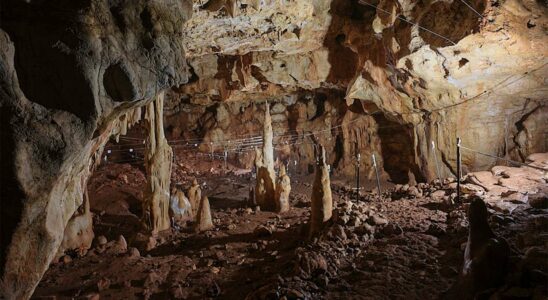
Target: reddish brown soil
(232, 261)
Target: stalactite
(158, 163)
(322, 201)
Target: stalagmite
(322, 202)
(283, 188)
(180, 208)
(203, 219)
(194, 196)
(78, 234)
(158, 163)
(486, 257)
(264, 162)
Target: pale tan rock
(283, 188)
(194, 197)
(265, 188)
(321, 200)
(158, 163)
(109, 82)
(151, 243)
(180, 208)
(78, 234)
(203, 219)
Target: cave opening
(397, 150)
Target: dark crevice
(397, 150)
(118, 85)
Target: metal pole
(211, 150)
(459, 174)
(226, 155)
(358, 177)
(436, 160)
(377, 173)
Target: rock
(414, 192)
(392, 229)
(377, 220)
(265, 188)
(294, 294)
(435, 230)
(321, 200)
(365, 229)
(262, 231)
(311, 263)
(438, 195)
(121, 244)
(133, 252)
(101, 240)
(177, 292)
(180, 208)
(203, 219)
(354, 221)
(90, 296)
(66, 259)
(283, 188)
(151, 243)
(539, 200)
(103, 284)
(342, 220)
(194, 197)
(486, 256)
(337, 232)
(214, 290)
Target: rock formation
(486, 257)
(203, 219)
(78, 234)
(98, 61)
(399, 85)
(321, 200)
(283, 188)
(265, 189)
(391, 75)
(194, 196)
(158, 159)
(180, 207)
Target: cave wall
(299, 123)
(70, 72)
(478, 78)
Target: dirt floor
(405, 246)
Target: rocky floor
(407, 245)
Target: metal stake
(459, 173)
(377, 173)
(358, 157)
(436, 160)
(226, 155)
